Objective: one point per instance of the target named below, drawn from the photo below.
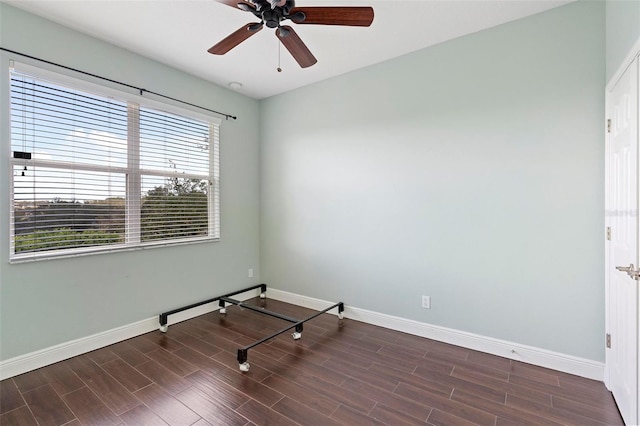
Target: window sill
(63, 254)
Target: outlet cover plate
(426, 302)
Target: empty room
(330, 212)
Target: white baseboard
(531, 355)
(34, 360)
(541, 357)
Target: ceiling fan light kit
(273, 12)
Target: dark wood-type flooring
(342, 372)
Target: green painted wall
(46, 303)
(623, 30)
(471, 171)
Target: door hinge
(608, 233)
(608, 125)
(608, 341)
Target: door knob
(630, 270)
(626, 269)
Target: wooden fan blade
(233, 39)
(338, 15)
(296, 47)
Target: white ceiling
(179, 32)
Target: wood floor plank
(144, 344)
(441, 418)
(257, 373)
(350, 416)
(126, 375)
(535, 373)
(112, 393)
(441, 350)
(20, 416)
(100, 356)
(166, 406)
(445, 388)
(417, 342)
(128, 353)
(362, 374)
(47, 407)
(301, 395)
(351, 358)
(436, 365)
(29, 381)
(302, 414)
(553, 390)
(416, 409)
(172, 362)
(202, 422)
(217, 390)
(506, 413)
(488, 360)
(312, 369)
(85, 368)
(301, 351)
(247, 385)
(200, 360)
(209, 409)
(433, 379)
(585, 389)
(61, 378)
(194, 343)
(89, 409)
(168, 380)
(393, 416)
(336, 393)
(447, 405)
(482, 371)
(550, 413)
(142, 416)
(263, 415)
(10, 397)
(164, 341)
(402, 356)
(604, 415)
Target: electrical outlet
(250, 273)
(426, 302)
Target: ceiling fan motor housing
(271, 12)
(271, 18)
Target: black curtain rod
(141, 90)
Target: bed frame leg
(242, 360)
(298, 333)
(223, 309)
(263, 291)
(163, 323)
(340, 310)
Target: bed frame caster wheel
(223, 311)
(296, 335)
(263, 295)
(163, 328)
(244, 366)
(341, 315)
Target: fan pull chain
(279, 69)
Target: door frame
(631, 56)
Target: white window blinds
(90, 172)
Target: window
(91, 171)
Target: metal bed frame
(226, 298)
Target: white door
(622, 242)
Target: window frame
(133, 172)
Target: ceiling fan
(272, 12)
